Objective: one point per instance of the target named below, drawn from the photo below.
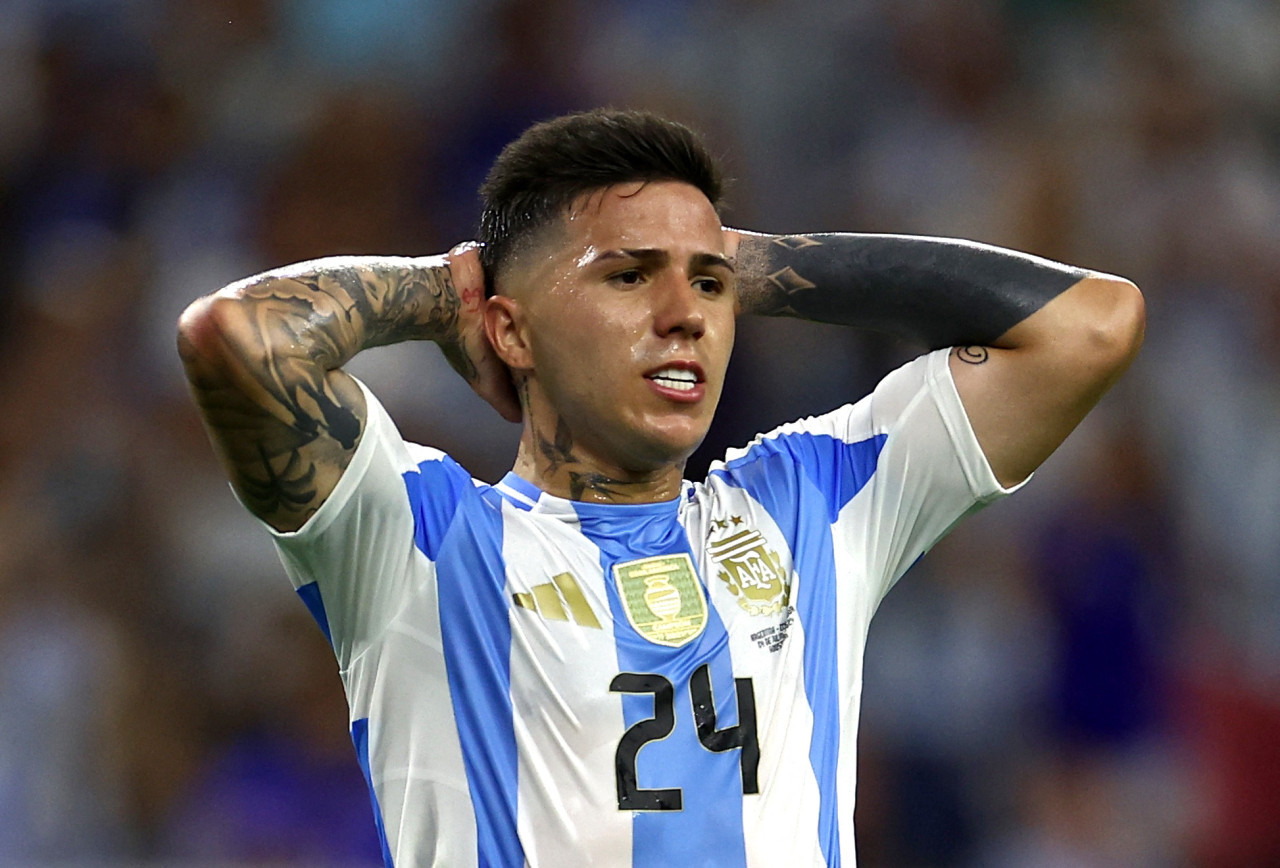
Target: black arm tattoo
(286, 420)
(939, 292)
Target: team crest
(753, 573)
(663, 598)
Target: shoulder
(914, 412)
(384, 439)
(385, 470)
(871, 418)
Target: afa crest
(752, 571)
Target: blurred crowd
(1086, 675)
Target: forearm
(939, 292)
(1037, 343)
(327, 310)
(285, 329)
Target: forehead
(665, 215)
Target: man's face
(629, 319)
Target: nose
(677, 307)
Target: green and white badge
(663, 598)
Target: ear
(504, 325)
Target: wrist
(753, 260)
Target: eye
(630, 277)
(709, 285)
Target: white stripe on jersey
(559, 664)
(785, 813)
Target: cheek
(586, 351)
(582, 339)
(723, 337)
(607, 337)
(729, 332)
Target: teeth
(680, 385)
(676, 378)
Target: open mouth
(679, 379)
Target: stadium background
(1088, 675)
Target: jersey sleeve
(357, 556)
(932, 472)
(895, 471)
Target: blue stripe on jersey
(463, 535)
(837, 468)
(310, 594)
(360, 738)
(804, 507)
(708, 831)
(433, 515)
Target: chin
(666, 448)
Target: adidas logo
(560, 599)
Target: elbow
(195, 328)
(202, 331)
(1126, 326)
(1114, 323)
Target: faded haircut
(538, 176)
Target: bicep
(284, 425)
(1027, 393)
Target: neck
(560, 467)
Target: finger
(464, 265)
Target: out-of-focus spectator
(955, 672)
(1105, 568)
(284, 787)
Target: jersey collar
(524, 495)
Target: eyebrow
(657, 257)
(711, 260)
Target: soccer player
(595, 661)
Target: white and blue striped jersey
(536, 681)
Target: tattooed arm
(1037, 343)
(264, 358)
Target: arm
(264, 356)
(1037, 343)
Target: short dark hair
(539, 175)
